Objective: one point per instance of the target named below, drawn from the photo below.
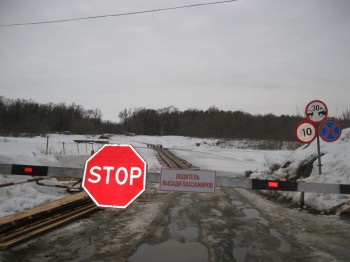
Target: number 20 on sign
(305, 132)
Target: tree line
(212, 123)
(20, 116)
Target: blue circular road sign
(330, 130)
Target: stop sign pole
(115, 176)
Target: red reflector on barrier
(28, 169)
(273, 184)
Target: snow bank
(23, 196)
(335, 170)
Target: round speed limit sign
(305, 132)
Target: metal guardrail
(154, 177)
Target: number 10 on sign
(305, 132)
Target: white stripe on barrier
(318, 188)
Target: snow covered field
(227, 159)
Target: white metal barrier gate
(152, 177)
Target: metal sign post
(316, 111)
(319, 153)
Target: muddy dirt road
(231, 225)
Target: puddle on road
(237, 203)
(284, 245)
(239, 253)
(182, 244)
(189, 233)
(171, 251)
(251, 213)
(216, 212)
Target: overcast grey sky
(258, 56)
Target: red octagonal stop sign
(115, 176)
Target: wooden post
(47, 145)
(64, 150)
(302, 198)
(78, 147)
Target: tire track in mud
(265, 231)
(215, 225)
(238, 225)
(194, 227)
(234, 230)
(230, 225)
(300, 236)
(220, 227)
(206, 227)
(173, 235)
(254, 238)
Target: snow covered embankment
(302, 165)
